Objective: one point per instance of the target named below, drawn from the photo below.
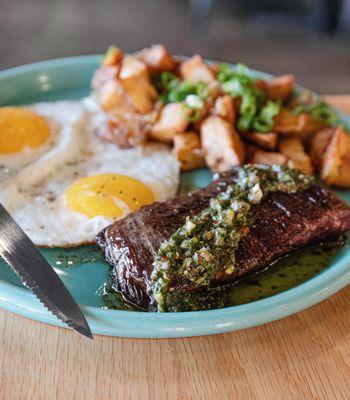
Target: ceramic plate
(84, 271)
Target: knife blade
(38, 275)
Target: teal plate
(84, 271)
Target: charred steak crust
(283, 223)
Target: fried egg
(82, 184)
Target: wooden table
(305, 356)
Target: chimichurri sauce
(285, 274)
(202, 251)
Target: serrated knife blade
(38, 275)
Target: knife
(38, 275)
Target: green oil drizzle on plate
(285, 274)
(70, 257)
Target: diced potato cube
(135, 78)
(214, 89)
(157, 58)
(125, 130)
(224, 108)
(266, 140)
(222, 146)
(141, 93)
(269, 158)
(293, 148)
(187, 148)
(318, 146)
(112, 95)
(335, 167)
(261, 85)
(103, 75)
(173, 118)
(133, 68)
(113, 57)
(250, 151)
(280, 87)
(301, 125)
(196, 70)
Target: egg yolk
(103, 194)
(21, 128)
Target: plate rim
(140, 324)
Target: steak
(282, 223)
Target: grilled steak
(283, 222)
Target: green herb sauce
(203, 250)
(288, 272)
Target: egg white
(34, 195)
(64, 114)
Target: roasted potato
(112, 95)
(222, 146)
(335, 165)
(157, 58)
(266, 140)
(132, 67)
(301, 125)
(141, 93)
(268, 157)
(224, 108)
(173, 118)
(318, 145)
(113, 57)
(293, 148)
(125, 129)
(187, 149)
(196, 70)
(250, 151)
(103, 75)
(135, 78)
(280, 87)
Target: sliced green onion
(243, 123)
(264, 121)
(194, 101)
(324, 113)
(319, 111)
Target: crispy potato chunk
(301, 125)
(266, 140)
(222, 146)
(112, 95)
(135, 78)
(250, 151)
(318, 146)
(142, 94)
(187, 149)
(125, 129)
(269, 158)
(157, 58)
(293, 148)
(133, 68)
(196, 70)
(224, 108)
(113, 57)
(280, 87)
(173, 118)
(103, 75)
(335, 167)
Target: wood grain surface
(305, 356)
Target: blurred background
(310, 38)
